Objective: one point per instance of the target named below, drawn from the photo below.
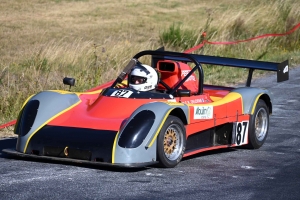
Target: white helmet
(143, 78)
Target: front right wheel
(171, 142)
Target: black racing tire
(259, 125)
(171, 142)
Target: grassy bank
(43, 41)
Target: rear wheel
(259, 125)
(171, 142)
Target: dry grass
(43, 41)
(7, 133)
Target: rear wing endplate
(281, 68)
(283, 71)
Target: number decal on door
(240, 133)
(121, 93)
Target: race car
(151, 114)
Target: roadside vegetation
(43, 41)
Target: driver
(143, 78)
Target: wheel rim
(261, 124)
(173, 138)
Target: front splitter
(76, 161)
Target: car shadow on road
(10, 143)
(7, 143)
(210, 152)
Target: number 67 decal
(121, 93)
(240, 133)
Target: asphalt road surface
(271, 172)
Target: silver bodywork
(250, 95)
(51, 103)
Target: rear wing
(282, 69)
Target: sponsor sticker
(185, 72)
(147, 87)
(203, 112)
(194, 101)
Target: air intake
(28, 116)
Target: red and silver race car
(127, 123)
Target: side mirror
(69, 81)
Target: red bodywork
(108, 113)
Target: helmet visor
(137, 80)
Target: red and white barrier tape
(199, 46)
(13, 122)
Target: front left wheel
(171, 142)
